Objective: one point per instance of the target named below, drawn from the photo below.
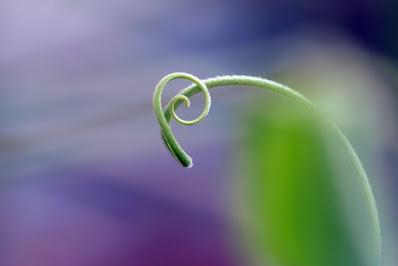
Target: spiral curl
(167, 135)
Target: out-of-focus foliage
(295, 215)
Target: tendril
(164, 118)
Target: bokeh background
(86, 180)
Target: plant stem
(164, 118)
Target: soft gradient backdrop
(86, 180)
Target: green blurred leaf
(291, 198)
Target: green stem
(164, 118)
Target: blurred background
(86, 180)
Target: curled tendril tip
(164, 122)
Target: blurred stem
(164, 118)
